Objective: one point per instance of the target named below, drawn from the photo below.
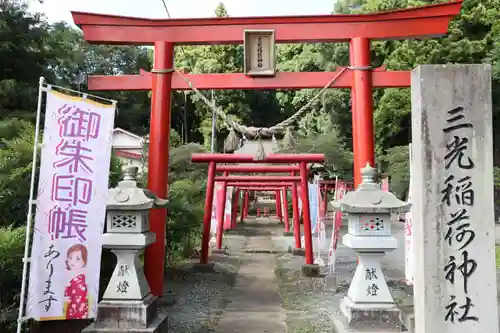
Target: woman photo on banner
(76, 291)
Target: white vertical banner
(322, 244)
(228, 207)
(409, 246)
(215, 211)
(284, 209)
(320, 225)
(70, 208)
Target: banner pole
(31, 202)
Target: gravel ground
(310, 302)
(199, 298)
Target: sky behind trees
(59, 10)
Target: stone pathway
(254, 303)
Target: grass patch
(302, 326)
(497, 252)
(291, 285)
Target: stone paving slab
(254, 303)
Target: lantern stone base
(299, 252)
(310, 270)
(204, 268)
(219, 251)
(374, 318)
(129, 316)
(331, 283)
(159, 325)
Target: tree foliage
(16, 157)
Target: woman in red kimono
(76, 291)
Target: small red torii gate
(226, 169)
(226, 181)
(254, 186)
(213, 159)
(266, 169)
(275, 189)
(164, 34)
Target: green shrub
(339, 159)
(16, 154)
(185, 218)
(396, 164)
(11, 266)
(186, 196)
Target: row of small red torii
(164, 34)
(263, 184)
(260, 182)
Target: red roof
(122, 153)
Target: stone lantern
(128, 304)
(369, 306)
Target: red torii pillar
(359, 30)
(159, 137)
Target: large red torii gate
(359, 30)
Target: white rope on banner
(42, 87)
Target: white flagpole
(29, 218)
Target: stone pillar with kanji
(369, 306)
(127, 304)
